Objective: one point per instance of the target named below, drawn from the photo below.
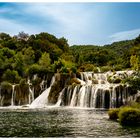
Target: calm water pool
(61, 122)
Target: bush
(133, 81)
(113, 113)
(129, 116)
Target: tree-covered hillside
(24, 55)
(115, 56)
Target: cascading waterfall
(101, 94)
(94, 91)
(42, 100)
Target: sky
(80, 23)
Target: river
(61, 122)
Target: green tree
(28, 56)
(19, 63)
(45, 60)
(11, 76)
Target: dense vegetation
(24, 55)
(127, 115)
(116, 56)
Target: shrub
(133, 81)
(113, 113)
(129, 116)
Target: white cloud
(124, 35)
(70, 21)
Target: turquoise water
(61, 122)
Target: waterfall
(82, 95)
(13, 91)
(60, 98)
(94, 90)
(31, 95)
(42, 100)
(73, 100)
(42, 86)
(99, 94)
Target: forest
(24, 55)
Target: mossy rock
(109, 79)
(90, 78)
(54, 93)
(22, 94)
(60, 82)
(114, 79)
(74, 81)
(78, 75)
(117, 80)
(94, 81)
